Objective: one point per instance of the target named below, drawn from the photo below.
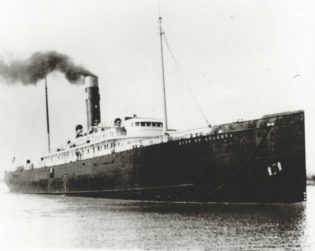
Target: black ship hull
(259, 161)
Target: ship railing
(190, 133)
(94, 138)
(97, 149)
(69, 155)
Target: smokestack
(92, 101)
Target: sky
(241, 59)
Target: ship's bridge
(131, 127)
(143, 127)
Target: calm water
(50, 222)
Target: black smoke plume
(40, 64)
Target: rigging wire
(180, 103)
(185, 81)
(179, 100)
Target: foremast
(165, 127)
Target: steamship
(260, 161)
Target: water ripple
(32, 221)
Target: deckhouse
(132, 132)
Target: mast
(47, 113)
(163, 78)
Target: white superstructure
(131, 133)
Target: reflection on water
(72, 222)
